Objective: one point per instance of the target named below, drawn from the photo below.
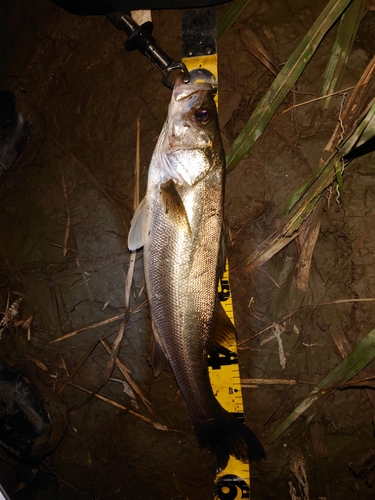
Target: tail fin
(225, 435)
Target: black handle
(140, 37)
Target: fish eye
(204, 115)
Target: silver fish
(179, 223)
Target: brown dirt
(83, 94)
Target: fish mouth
(175, 147)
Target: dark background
(83, 94)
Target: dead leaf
(254, 45)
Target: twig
(345, 301)
(299, 310)
(126, 373)
(78, 366)
(45, 463)
(129, 276)
(352, 108)
(317, 99)
(68, 218)
(278, 406)
(73, 250)
(251, 382)
(89, 327)
(38, 363)
(63, 364)
(55, 306)
(114, 352)
(156, 425)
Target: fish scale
(189, 288)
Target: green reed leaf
(358, 359)
(284, 82)
(229, 16)
(342, 46)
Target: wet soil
(73, 190)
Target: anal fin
(223, 330)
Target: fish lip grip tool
(204, 75)
(140, 37)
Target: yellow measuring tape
(234, 481)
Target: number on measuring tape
(231, 487)
(222, 357)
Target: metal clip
(202, 74)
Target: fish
(179, 224)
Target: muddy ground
(83, 94)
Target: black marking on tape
(224, 292)
(222, 357)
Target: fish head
(192, 136)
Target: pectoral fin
(174, 208)
(137, 232)
(223, 330)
